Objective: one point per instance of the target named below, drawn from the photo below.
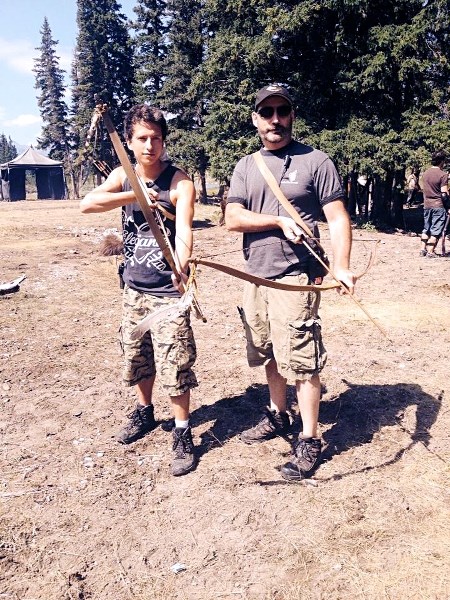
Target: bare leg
(144, 391)
(180, 406)
(431, 244)
(308, 397)
(424, 240)
(277, 386)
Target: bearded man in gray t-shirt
(283, 327)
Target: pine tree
(8, 150)
(369, 81)
(179, 95)
(242, 55)
(151, 28)
(49, 80)
(102, 69)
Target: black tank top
(146, 269)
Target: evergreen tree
(102, 69)
(8, 151)
(151, 27)
(370, 81)
(179, 95)
(241, 57)
(393, 79)
(49, 80)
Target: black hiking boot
(141, 421)
(305, 459)
(183, 446)
(272, 424)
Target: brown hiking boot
(141, 421)
(272, 424)
(183, 446)
(305, 459)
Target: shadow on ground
(355, 416)
(363, 410)
(203, 224)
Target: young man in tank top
(168, 349)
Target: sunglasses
(267, 112)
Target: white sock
(273, 407)
(181, 424)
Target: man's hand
(180, 284)
(347, 277)
(152, 198)
(291, 230)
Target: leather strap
(272, 182)
(268, 176)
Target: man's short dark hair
(147, 114)
(438, 157)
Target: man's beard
(278, 132)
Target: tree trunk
(74, 180)
(398, 198)
(382, 193)
(353, 193)
(203, 193)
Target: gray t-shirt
(309, 180)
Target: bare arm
(108, 195)
(341, 242)
(444, 195)
(238, 218)
(182, 193)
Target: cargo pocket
(186, 349)
(307, 352)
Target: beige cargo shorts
(167, 350)
(284, 326)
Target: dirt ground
(83, 517)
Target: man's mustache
(278, 129)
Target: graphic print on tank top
(140, 248)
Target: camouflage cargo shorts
(285, 326)
(167, 349)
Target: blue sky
(19, 37)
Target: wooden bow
(270, 283)
(293, 287)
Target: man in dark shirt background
(436, 203)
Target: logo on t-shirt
(292, 176)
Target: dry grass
(85, 518)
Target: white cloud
(65, 59)
(20, 54)
(23, 121)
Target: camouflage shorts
(167, 349)
(285, 326)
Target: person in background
(283, 327)
(168, 348)
(412, 187)
(436, 203)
